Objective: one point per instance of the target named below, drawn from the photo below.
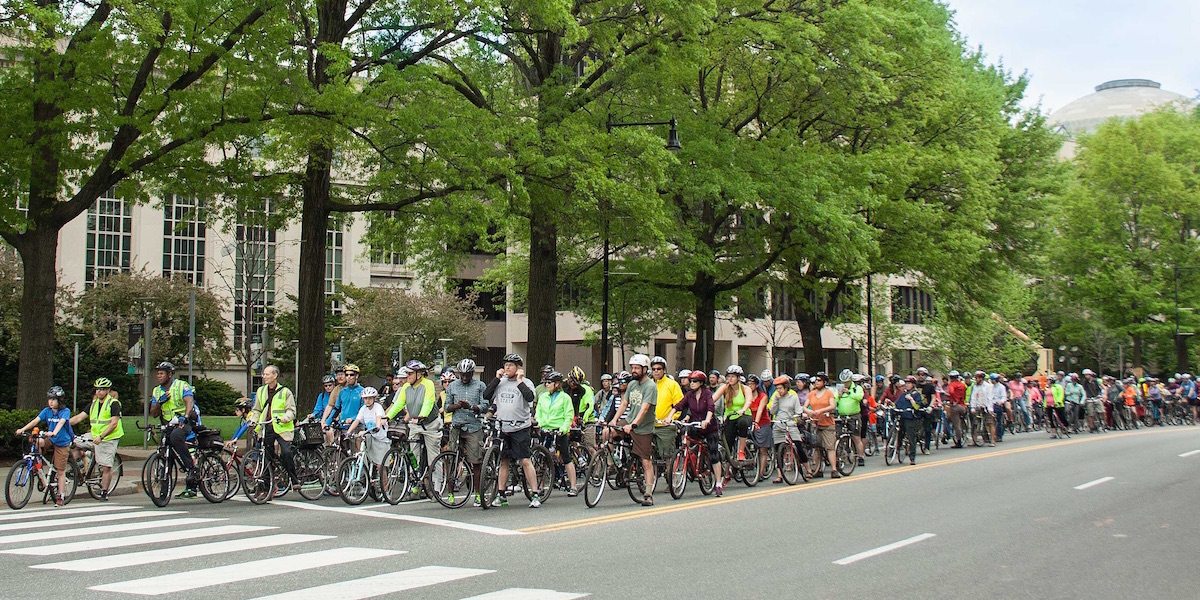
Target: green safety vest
(173, 405)
(99, 416)
(587, 404)
(278, 406)
(850, 402)
(431, 399)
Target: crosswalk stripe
(526, 594)
(147, 557)
(50, 533)
(63, 512)
(134, 540)
(378, 585)
(190, 580)
(56, 522)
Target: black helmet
(56, 392)
(753, 379)
(243, 404)
(547, 368)
(328, 379)
(514, 358)
(165, 365)
(822, 375)
(554, 376)
(894, 378)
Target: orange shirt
(818, 399)
(1130, 395)
(872, 405)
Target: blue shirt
(242, 427)
(52, 418)
(908, 404)
(349, 401)
(322, 401)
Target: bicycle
(745, 471)
(309, 459)
(401, 468)
(457, 474)
(356, 476)
(333, 454)
(34, 470)
(578, 456)
(92, 473)
(161, 470)
(493, 448)
(691, 462)
(628, 471)
(846, 458)
(785, 457)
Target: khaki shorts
(472, 445)
(106, 453)
(61, 453)
(664, 441)
(589, 437)
(828, 436)
(643, 444)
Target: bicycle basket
(208, 438)
(309, 435)
(810, 438)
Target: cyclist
(104, 418)
(173, 402)
(956, 408)
(981, 406)
(697, 403)
(464, 401)
(640, 398)
(58, 421)
(1056, 400)
(541, 386)
(910, 404)
(618, 414)
(584, 401)
(371, 417)
(1074, 394)
(819, 405)
(733, 393)
(668, 395)
(785, 405)
(999, 395)
(849, 404)
(760, 415)
(604, 398)
(275, 404)
(347, 400)
(1093, 398)
(714, 380)
(555, 413)
(684, 379)
(511, 396)
(241, 410)
(1190, 392)
(417, 404)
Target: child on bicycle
(241, 410)
(58, 421)
(372, 418)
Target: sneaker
(835, 475)
(862, 462)
(476, 502)
(186, 493)
(741, 456)
(719, 491)
(912, 462)
(103, 497)
(991, 445)
(535, 503)
(281, 490)
(648, 500)
(571, 493)
(924, 450)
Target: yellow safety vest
(173, 405)
(278, 406)
(99, 415)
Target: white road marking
(388, 583)
(880, 550)
(527, 594)
(112, 561)
(135, 540)
(52, 534)
(1093, 483)
(86, 519)
(63, 512)
(410, 518)
(200, 578)
(1187, 454)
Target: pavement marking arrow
(880, 550)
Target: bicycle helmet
(56, 392)
(858, 378)
(415, 365)
(734, 370)
(802, 377)
(102, 383)
(686, 374)
(339, 369)
(697, 376)
(658, 360)
(624, 377)
(606, 377)
(980, 374)
(784, 379)
(715, 372)
(465, 365)
(845, 375)
(402, 373)
(765, 375)
(1089, 372)
(922, 371)
(822, 375)
(641, 360)
(954, 374)
(448, 375)
(894, 378)
(577, 375)
(753, 379)
(514, 358)
(547, 369)
(910, 379)
(554, 376)
(328, 379)
(243, 404)
(994, 376)
(352, 368)
(370, 392)
(879, 379)
(165, 365)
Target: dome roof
(1118, 98)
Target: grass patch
(133, 435)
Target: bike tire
(18, 487)
(233, 466)
(543, 468)
(705, 477)
(678, 475)
(354, 485)
(890, 448)
(158, 479)
(258, 480)
(393, 476)
(332, 456)
(71, 479)
(489, 475)
(635, 479)
(214, 479)
(869, 443)
(456, 480)
(751, 474)
(310, 472)
(596, 481)
(789, 463)
(845, 456)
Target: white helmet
(845, 375)
(370, 392)
(685, 374)
(641, 360)
(922, 371)
(658, 360)
(734, 370)
(1089, 372)
(765, 375)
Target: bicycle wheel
(393, 476)
(870, 442)
(543, 468)
(310, 470)
(233, 466)
(258, 480)
(353, 481)
(158, 479)
(72, 480)
(705, 476)
(751, 472)
(597, 478)
(332, 457)
(283, 484)
(789, 464)
(19, 485)
(635, 481)
(678, 474)
(489, 473)
(456, 480)
(214, 479)
(845, 456)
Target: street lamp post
(445, 358)
(75, 387)
(672, 145)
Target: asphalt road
(1004, 522)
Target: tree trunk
(706, 327)
(810, 337)
(310, 311)
(542, 295)
(38, 249)
(682, 360)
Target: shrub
(10, 421)
(215, 397)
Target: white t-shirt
(373, 417)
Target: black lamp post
(673, 146)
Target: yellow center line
(705, 503)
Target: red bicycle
(692, 462)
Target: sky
(1068, 47)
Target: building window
(254, 282)
(333, 268)
(910, 305)
(184, 235)
(485, 300)
(109, 238)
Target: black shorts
(517, 444)
(711, 440)
(864, 423)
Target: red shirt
(958, 392)
(760, 400)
